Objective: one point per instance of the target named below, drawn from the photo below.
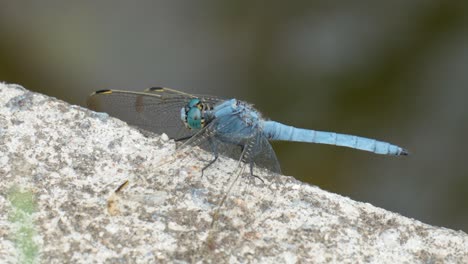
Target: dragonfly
(221, 125)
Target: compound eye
(194, 118)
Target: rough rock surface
(60, 165)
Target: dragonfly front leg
(182, 138)
(214, 150)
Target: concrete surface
(60, 165)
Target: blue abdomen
(277, 131)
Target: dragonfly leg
(182, 138)
(251, 164)
(215, 152)
(251, 172)
(209, 164)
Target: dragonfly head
(193, 114)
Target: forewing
(168, 93)
(158, 112)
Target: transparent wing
(258, 150)
(156, 109)
(165, 92)
(263, 154)
(159, 113)
(169, 93)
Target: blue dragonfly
(222, 126)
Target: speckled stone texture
(60, 165)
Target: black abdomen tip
(103, 91)
(152, 89)
(404, 152)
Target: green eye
(194, 118)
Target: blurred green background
(393, 70)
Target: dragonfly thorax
(194, 114)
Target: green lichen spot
(23, 206)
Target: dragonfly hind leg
(251, 164)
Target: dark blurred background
(394, 70)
